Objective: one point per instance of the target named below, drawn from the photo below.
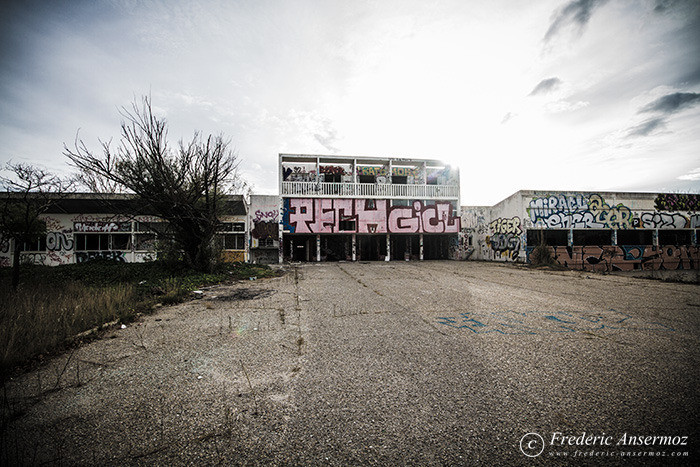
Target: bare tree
(184, 186)
(29, 193)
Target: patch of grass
(55, 304)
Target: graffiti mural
(539, 322)
(305, 215)
(265, 215)
(102, 227)
(677, 202)
(57, 241)
(578, 212)
(506, 246)
(406, 172)
(84, 256)
(626, 258)
(298, 174)
(382, 171)
(505, 237)
(332, 169)
(263, 230)
(503, 225)
(663, 220)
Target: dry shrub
(542, 256)
(38, 320)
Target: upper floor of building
(317, 176)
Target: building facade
(334, 208)
(339, 208)
(84, 226)
(263, 228)
(603, 231)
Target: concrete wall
(263, 225)
(499, 233)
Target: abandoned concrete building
(85, 226)
(603, 231)
(368, 209)
(337, 208)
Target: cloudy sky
(534, 94)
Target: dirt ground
(397, 363)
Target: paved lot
(381, 363)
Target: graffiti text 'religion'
(304, 215)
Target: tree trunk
(15, 264)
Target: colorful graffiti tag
(677, 202)
(578, 211)
(405, 172)
(539, 322)
(263, 230)
(505, 237)
(371, 170)
(305, 215)
(626, 258)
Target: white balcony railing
(369, 190)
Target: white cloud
(693, 175)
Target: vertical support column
(420, 242)
(614, 237)
(318, 248)
(655, 238)
(280, 228)
(354, 247)
(570, 237)
(388, 248)
(291, 249)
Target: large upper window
(232, 241)
(102, 242)
(36, 244)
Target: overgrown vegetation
(184, 186)
(55, 304)
(542, 256)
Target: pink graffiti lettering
(265, 215)
(370, 216)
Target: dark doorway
(405, 247)
(300, 247)
(336, 248)
(436, 247)
(371, 247)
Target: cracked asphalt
(401, 363)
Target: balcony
(368, 190)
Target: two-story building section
(365, 208)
